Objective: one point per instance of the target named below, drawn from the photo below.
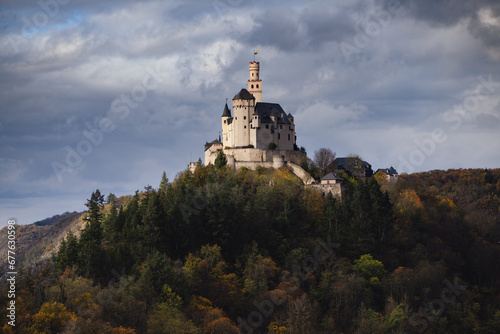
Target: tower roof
(244, 95)
(227, 112)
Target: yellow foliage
(448, 203)
(275, 328)
(314, 203)
(408, 202)
(85, 305)
(52, 318)
(122, 330)
(7, 329)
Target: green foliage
(220, 160)
(369, 268)
(272, 146)
(170, 298)
(165, 320)
(163, 183)
(206, 248)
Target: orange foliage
(52, 318)
(221, 326)
(122, 330)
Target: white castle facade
(260, 134)
(257, 133)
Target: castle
(257, 133)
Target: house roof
(346, 163)
(214, 142)
(227, 112)
(388, 171)
(244, 95)
(331, 176)
(267, 110)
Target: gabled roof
(331, 176)
(266, 110)
(227, 112)
(388, 171)
(244, 95)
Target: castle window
(279, 136)
(267, 126)
(288, 136)
(252, 85)
(281, 127)
(245, 127)
(257, 85)
(244, 117)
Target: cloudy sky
(109, 94)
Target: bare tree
(324, 159)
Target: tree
(165, 320)
(111, 198)
(164, 182)
(221, 160)
(324, 159)
(91, 253)
(52, 318)
(369, 268)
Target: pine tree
(164, 182)
(90, 251)
(221, 160)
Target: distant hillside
(37, 242)
(56, 218)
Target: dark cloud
(278, 27)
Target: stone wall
(335, 189)
(255, 155)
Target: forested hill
(223, 251)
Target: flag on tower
(255, 52)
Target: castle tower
(226, 119)
(254, 83)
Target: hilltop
(228, 251)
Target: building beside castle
(256, 133)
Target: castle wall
(334, 188)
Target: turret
(254, 83)
(226, 116)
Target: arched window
(257, 86)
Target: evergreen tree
(164, 182)
(221, 160)
(90, 251)
(111, 198)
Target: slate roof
(388, 171)
(344, 163)
(215, 142)
(227, 112)
(330, 176)
(266, 110)
(244, 95)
